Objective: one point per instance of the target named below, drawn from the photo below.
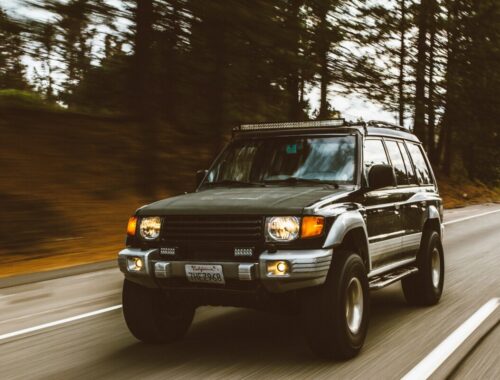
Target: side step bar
(380, 282)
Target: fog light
(278, 268)
(135, 264)
(281, 267)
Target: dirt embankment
(67, 185)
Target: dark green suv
(307, 217)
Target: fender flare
(343, 223)
(433, 213)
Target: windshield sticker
(291, 149)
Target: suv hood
(244, 201)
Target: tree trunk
(420, 127)
(451, 76)
(146, 175)
(218, 86)
(402, 59)
(448, 149)
(323, 52)
(293, 81)
(170, 84)
(324, 107)
(431, 112)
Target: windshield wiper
(294, 180)
(230, 182)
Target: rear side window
(397, 162)
(412, 180)
(421, 168)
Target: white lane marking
(470, 217)
(59, 322)
(431, 362)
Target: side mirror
(381, 176)
(200, 176)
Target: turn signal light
(312, 226)
(132, 226)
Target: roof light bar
(301, 124)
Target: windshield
(290, 160)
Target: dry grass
(460, 193)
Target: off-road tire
(324, 309)
(152, 317)
(420, 289)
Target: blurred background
(107, 105)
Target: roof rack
(384, 124)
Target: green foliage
(17, 99)
(12, 70)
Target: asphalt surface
(239, 343)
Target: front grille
(222, 229)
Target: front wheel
(152, 317)
(425, 287)
(336, 313)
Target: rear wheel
(152, 317)
(336, 313)
(425, 287)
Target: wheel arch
(433, 221)
(355, 239)
(349, 231)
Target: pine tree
(385, 30)
(12, 69)
(420, 126)
(44, 37)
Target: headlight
(149, 228)
(282, 228)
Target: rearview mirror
(200, 176)
(381, 176)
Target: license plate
(211, 274)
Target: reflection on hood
(263, 201)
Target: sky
(351, 107)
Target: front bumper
(307, 268)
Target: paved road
(229, 342)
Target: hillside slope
(67, 183)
